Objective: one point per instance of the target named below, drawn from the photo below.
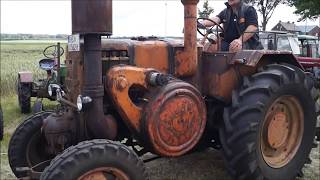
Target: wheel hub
(282, 131)
(104, 173)
(278, 130)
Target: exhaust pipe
(92, 19)
(100, 125)
(188, 59)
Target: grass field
(19, 56)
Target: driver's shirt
(231, 33)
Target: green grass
(12, 118)
(17, 56)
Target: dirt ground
(209, 165)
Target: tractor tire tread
(71, 157)
(236, 129)
(19, 136)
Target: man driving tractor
(240, 23)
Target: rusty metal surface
(174, 119)
(282, 131)
(219, 78)
(74, 78)
(92, 87)
(160, 54)
(56, 128)
(253, 57)
(115, 44)
(119, 81)
(91, 16)
(152, 54)
(187, 60)
(104, 173)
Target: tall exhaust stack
(188, 58)
(91, 19)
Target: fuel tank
(147, 52)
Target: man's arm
(249, 32)
(236, 45)
(207, 23)
(252, 21)
(218, 19)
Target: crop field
(24, 55)
(20, 56)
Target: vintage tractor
(27, 88)
(125, 98)
(310, 60)
(310, 46)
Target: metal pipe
(190, 25)
(94, 116)
(188, 59)
(91, 19)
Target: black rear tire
(243, 122)
(24, 96)
(78, 160)
(27, 145)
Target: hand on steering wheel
(51, 52)
(209, 30)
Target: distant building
(310, 30)
(291, 27)
(286, 26)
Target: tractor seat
(47, 64)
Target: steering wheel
(209, 30)
(51, 52)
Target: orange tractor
(125, 98)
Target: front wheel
(268, 132)
(96, 159)
(27, 146)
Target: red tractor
(125, 98)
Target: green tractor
(27, 88)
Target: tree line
(9, 37)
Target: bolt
(122, 83)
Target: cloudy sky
(130, 18)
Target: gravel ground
(206, 165)
(209, 165)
